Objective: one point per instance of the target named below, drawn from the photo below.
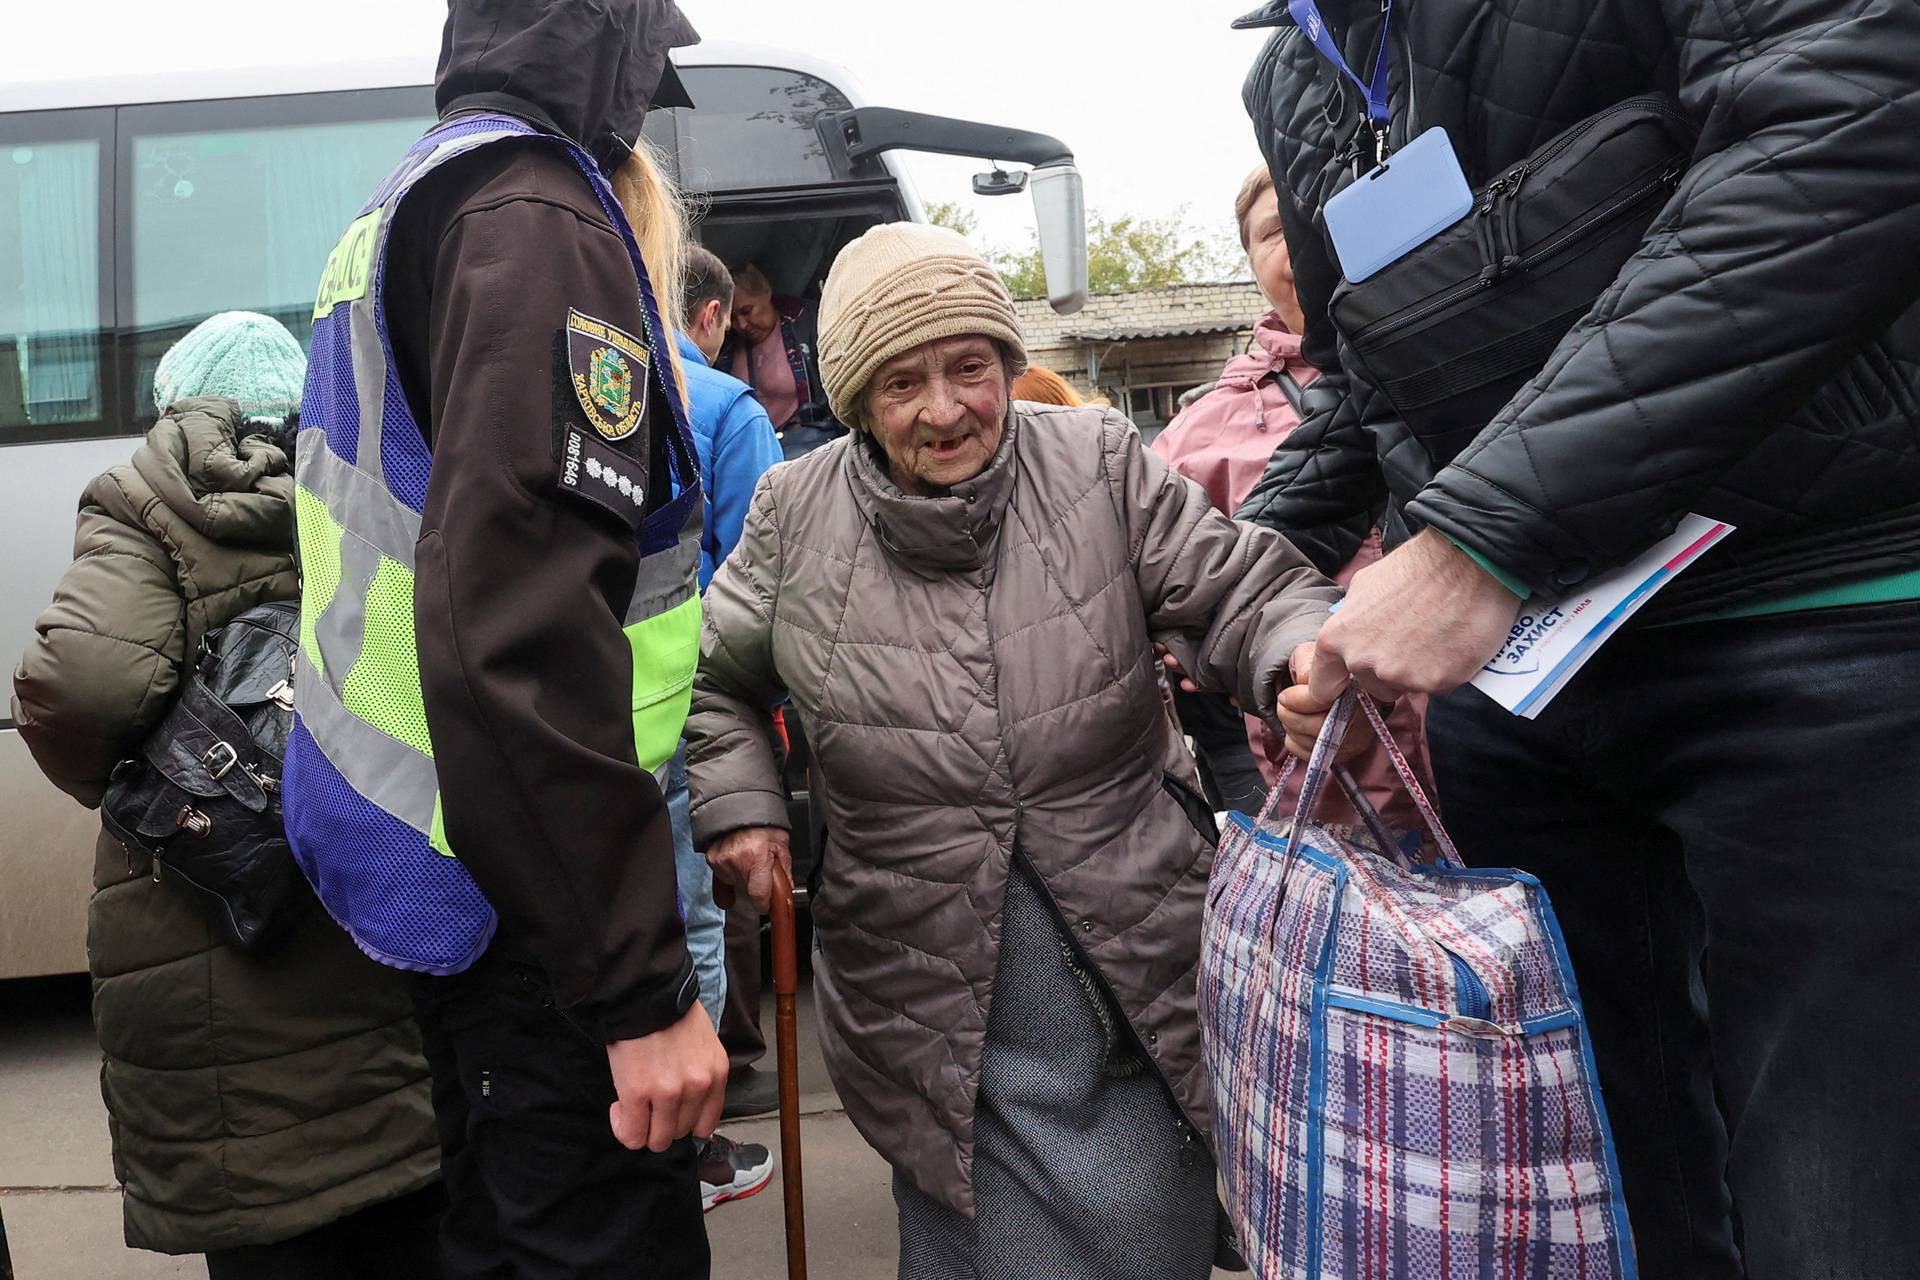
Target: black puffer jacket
(1757, 360)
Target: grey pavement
(60, 1210)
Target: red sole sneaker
(709, 1201)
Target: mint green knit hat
(249, 358)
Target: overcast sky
(1145, 92)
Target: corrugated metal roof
(1157, 331)
(1186, 310)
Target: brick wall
(1150, 344)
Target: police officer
(500, 525)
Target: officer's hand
(670, 1083)
(744, 860)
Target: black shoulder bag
(1452, 330)
(202, 798)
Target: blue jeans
(706, 922)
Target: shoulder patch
(609, 369)
(605, 477)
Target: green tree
(949, 214)
(1132, 252)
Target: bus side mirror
(1060, 213)
(1059, 203)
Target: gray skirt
(1083, 1169)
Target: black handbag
(202, 797)
(1452, 330)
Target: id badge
(1417, 193)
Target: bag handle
(1332, 732)
(1369, 815)
(1321, 765)
(1290, 388)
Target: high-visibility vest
(362, 798)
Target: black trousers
(1228, 772)
(740, 1031)
(1725, 817)
(396, 1237)
(537, 1188)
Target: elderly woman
(959, 599)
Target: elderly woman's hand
(1178, 672)
(1302, 712)
(743, 859)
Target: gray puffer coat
(977, 680)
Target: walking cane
(786, 983)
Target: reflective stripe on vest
(362, 796)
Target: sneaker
(750, 1093)
(732, 1170)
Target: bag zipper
(1381, 328)
(1470, 994)
(1667, 178)
(1656, 103)
(1499, 229)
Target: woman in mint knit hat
(269, 1110)
(242, 356)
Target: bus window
(50, 271)
(239, 216)
(752, 127)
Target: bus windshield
(750, 127)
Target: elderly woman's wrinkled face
(938, 411)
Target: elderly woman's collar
(945, 533)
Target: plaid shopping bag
(1404, 1084)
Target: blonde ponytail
(653, 206)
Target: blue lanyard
(1306, 14)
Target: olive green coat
(251, 1099)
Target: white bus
(130, 212)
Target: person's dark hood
(586, 69)
(1278, 13)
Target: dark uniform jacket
(521, 583)
(1757, 360)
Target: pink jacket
(1222, 442)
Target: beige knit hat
(898, 286)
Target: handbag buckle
(281, 695)
(191, 821)
(219, 764)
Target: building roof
(1175, 311)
